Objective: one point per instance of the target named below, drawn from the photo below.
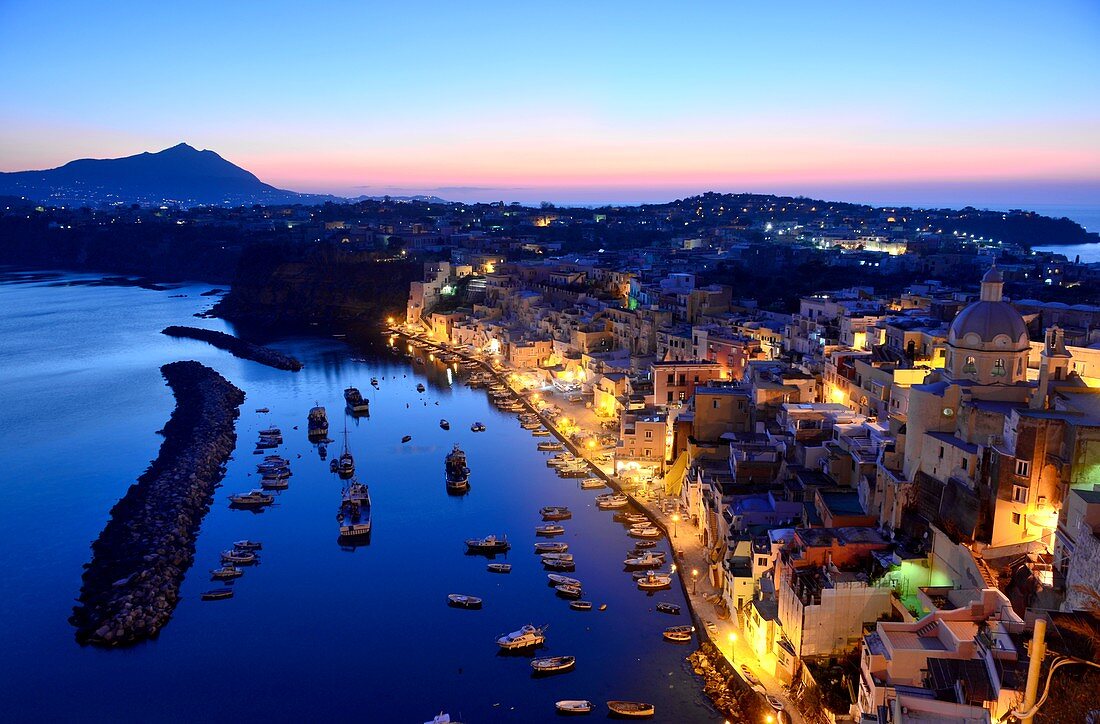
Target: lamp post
(733, 642)
(694, 577)
(675, 521)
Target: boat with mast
(458, 474)
(345, 464)
(354, 516)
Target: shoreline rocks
(131, 586)
(236, 346)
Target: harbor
(310, 591)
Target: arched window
(999, 368)
(971, 365)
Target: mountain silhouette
(180, 174)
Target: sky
(945, 103)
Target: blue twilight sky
(934, 102)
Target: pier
(236, 346)
(131, 586)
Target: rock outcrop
(131, 586)
(237, 346)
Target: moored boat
(679, 634)
(558, 580)
(647, 560)
(645, 544)
(357, 404)
(654, 582)
(248, 545)
(550, 664)
(550, 529)
(540, 432)
(458, 474)
(406, 438)
(644, 531)
(556, 565)
(573, 592)
(665, 607)
(318, 422)
(252, 499)
(477, 427)
(557, 557)
(574, 706)
(226, 573)
(526, 637)
(555, 512)
(499, 568)
(238, 558)
(632, 709)
(460, 600)
(551, 547)
(610, 501)
(550, 446)
(274, 483)
(592, 484)
(488, 544)
(354, 517)
(445, 425)
(217, 594)
(580, 605)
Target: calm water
(315, 632)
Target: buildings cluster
(906, 480)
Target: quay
(723, 637)
(236, 346)
(131, 586)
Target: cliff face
(319, 287)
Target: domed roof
(993, 275)
(988, 320)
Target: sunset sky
(960, 102)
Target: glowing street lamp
(694, 578)
(733, 640)
(675, 521)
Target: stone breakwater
(237, 346)
(131, 586)
(731, 696)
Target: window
(964, 463)
(761, 561)
(714, 404)
(1019, 494)
(999, 368)
(941, 452)
(647, 452)
(671, 378)
(971, 366)
(670, 396)
(648, 434)
(1023, 468)
(1016, 518)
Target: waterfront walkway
(684, 538)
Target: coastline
(236, 346)
(131, 586)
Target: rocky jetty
(131, 586)
(729, 693)
(237, 346)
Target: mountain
(179, 175)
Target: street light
(675, 520)
(694, 576)
(733, 641)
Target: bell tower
(1053, 366)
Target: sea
(317, 631)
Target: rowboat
(217, 594)
(240, 558)
(556, 565)
(665, 607)
(632, 709)
(678, 634)
(559, 580)
(225, 573)
(488, 544)
(552, 664)
(248, 545)
(574, 706)
(499, 568)
(654, 582)
(459, 600)
(555, 512)
(573, 592)
(548, 530)
(551, 547)
(591, 484)
(557, 557)
(580, 605)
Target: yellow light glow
(675, 517)
(389, 320)
(591, 444)
(694, 572)
(733, 637)
(837, 395)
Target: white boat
(499, 567)
(647, 560)
(225, 573)
(611, 502)
(253, 499)
(592, 484)
(460, 600)
(550, 446)
(574, 706)
(554, 565)
(442, 718)
(678, 634)
(573, 592)
(631, 709)
(238, 558)
(550, 664)
(526, 637)
(354, 517)
(580, 605)
(549, 530)
(645, 531)
(654, 582)
(551, 547)
(557, 557)
(457, 473)
(559, 580)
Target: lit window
(971, 366)
(999, 368)
(1016, 518)
(1019, 494)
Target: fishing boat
(459, 600)
(551, 664)
(420, 385)
(592, 484)
(554, 547)
(345, 464)
(648, 560)
(555, 512)
(274, 470)
(541, 432)
(654, 582)
(635, 518)
(488, 544)
(574, 706)
(226, 573)
(573, 471)
(550, 446)
(549, 529)
(356, 402)
(217, 594)
(477, 427)
(526, 637)
(645, 544)
(262, 410)
(557, 557)
(274, 483)
(557, 580)
(354, 517)
(445, 425)
(248, 545)
(238, 558)
(499, 568)
(679, 634)
(318, 422)
(556, 565)
(631, 709)
(611, 502)
(580, 605)
(530, 425)
(458, 474)
(252, 499)
(560, 459)
(644, 531)
(665, 607)
(573, 592)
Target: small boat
(354, 516)
(226, 573)
(557, 580)
(555, 512)
(574, 706)
(565, 591)
(356, 403)
(420, 386)
(526, 637)
(477, 427)
(499, 567)
(551, 664)
(550, 446)
(248, 545)
(554, 565)
(457, 473)
(488, 544)
(555, 547)
(238, 558)
(557, 557)
(645, 544)
(611, 502)
(635, 518)
(406, 438)
(549, 530)
(541, 432)
(271, 432)
(262, 410)
(665, 607)
(459, 600)
(592, 484)
(646, 531)
(530, 425)
(645, 561)
(217, 594)
(632, 709)
(274, 471)
(344, 465)
(253, 499)
(318, 422)
(679, 634)
(374, 382)
(654, 582)
(442, 718)
(274, 483)
(580, 605)
(445, 425)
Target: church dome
(988, 325)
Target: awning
(674, 478)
